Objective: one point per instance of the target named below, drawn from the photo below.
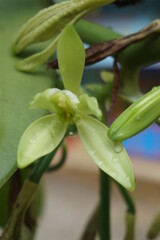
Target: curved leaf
(110, 157)
(71, 58)
(39, 139)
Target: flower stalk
(13, 229)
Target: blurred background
(72, 193)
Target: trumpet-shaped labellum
(42, 136)
(137, 117)
(71, 59)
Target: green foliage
(16, 88)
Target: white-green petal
(39, 139)
(43, 100)
(110, 157)
(71, 59)
(47, 101)
(89, 105)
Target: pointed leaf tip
(71, 58)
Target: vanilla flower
(68, 107)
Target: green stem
(14, 226)
(92, 226)
(42, 166)
(129, 79)
(127, 198)
(130, 215)
(130, 226)
(62, 160)
(141, 54)
(104, 211)
(13, 229)
(154, 229)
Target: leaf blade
(16, 88)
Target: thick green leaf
(71, 58)
(40, 138)
(16, 89)
(109, 156)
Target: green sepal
(39, 139)
(71, 59)
(109, 156)
(136, 117)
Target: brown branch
(97, 52)
(92, 226)
(115, 89)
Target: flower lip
(72, 97)
(65, 104)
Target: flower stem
(92, 226)
(62, 160)
(13, 229)
(130, 215)
(104, 211)
(127, 198)
(42, 166)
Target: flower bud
(49, 22)
(137, 117)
